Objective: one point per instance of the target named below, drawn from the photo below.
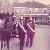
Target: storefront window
(44, 10)
(36, 9)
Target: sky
(44, 1)
(41, 1)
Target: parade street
(41, 39)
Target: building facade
(35, 10)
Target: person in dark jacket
(21, 34)
(14, 31)
(30, 34)
(7, 34)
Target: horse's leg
(7, 42)
(4, 43)
(1, 45)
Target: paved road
(41, 39)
